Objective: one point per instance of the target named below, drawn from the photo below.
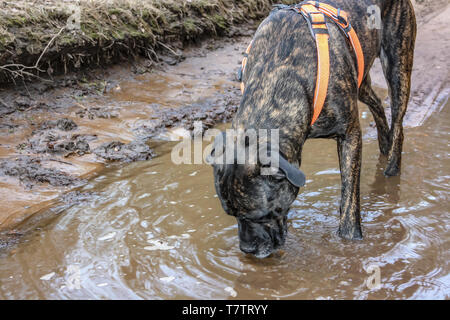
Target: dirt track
(54, 135)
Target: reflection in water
(156, 230)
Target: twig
(48, 45)
(26, 87)
(80, 105)
(168, 48)
(56, 160)
(3, 103)
(23, 70)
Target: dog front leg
(349, 151)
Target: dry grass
(110, 30)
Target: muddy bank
(52, 37)
(80, 123)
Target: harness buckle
(311, 23)
(343, 22)
(276, 7)
(340, 18)
(348, 28)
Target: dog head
(258, 200)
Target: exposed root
(22, 71)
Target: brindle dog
(280, 78)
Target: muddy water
(157, 231)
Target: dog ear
(293, 174)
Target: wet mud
(30, 172)
(119, 151)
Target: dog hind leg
(397, 54)
(369, 97)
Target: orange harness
(314, 13)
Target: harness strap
(314, 13)
(319, 30)
(244, 63)
(340, 17)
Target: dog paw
(392, 171)
(347, 234)
(384, 150)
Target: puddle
(156, 230)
